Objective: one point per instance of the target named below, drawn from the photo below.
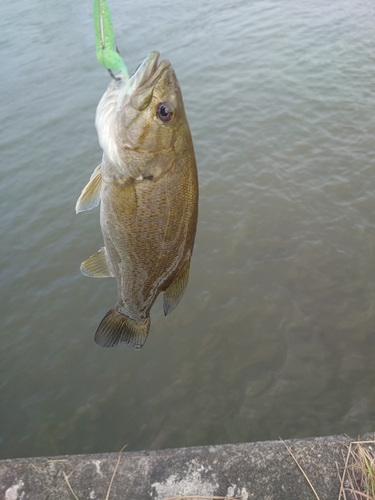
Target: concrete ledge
(261, 471)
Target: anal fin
(175, 291)
(90, 196)
(117, 329)
(97, 266)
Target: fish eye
(165, 112)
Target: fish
(147, 187)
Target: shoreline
(262, 470)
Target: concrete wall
(261, 471)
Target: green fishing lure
(106, 50)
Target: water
(275, 335)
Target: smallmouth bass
(148, 188)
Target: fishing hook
(117, 78)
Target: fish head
(142, 122)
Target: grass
(357, 481)
(358, 477)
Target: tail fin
(117, 329)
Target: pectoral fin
(175, 291)
(90, 196)
(97, 266)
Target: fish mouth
(147, 73)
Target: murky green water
(275, 335)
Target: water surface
(275, 335)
